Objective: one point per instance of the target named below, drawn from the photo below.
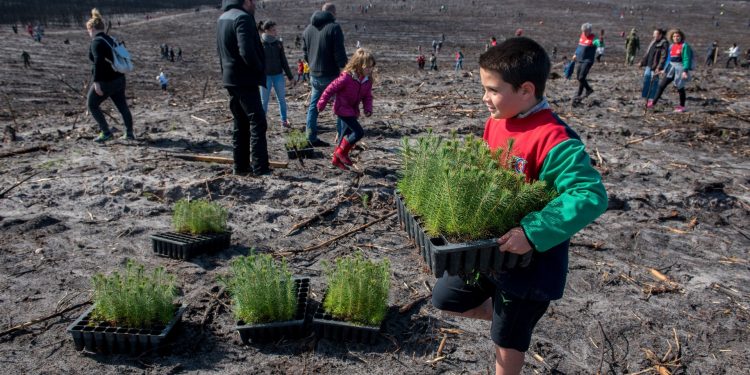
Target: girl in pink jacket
(353, 86)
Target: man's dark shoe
(262, 172)
(103, 137)
(320, 143)
(128, 137)
(588, 92)
(241, 172)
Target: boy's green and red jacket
(546, 149)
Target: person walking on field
(26, 59)
(711, 53)
(107, 83)
(353, 86)
(459, 61)
(678, 67)
(599, 44)
(276, 67)
(584, 58)
(734, 54)
(242, 62)
(654, 61)
(632, 46)
(323, 48)
(163, 81)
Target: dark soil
(679, 187)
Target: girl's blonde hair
(361, 59)
(96, 21)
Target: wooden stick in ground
(646, 137)
(42, 319)
(441, 346)
(24, 151)
(199, 119)
(2, 195)
(355, 230)
(317, 216)
(220, 160)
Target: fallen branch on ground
(42, 319)
(220, 160)
(646, 137)
(411, 304)
(317, 216)
(24, 151)
(355, 230)
(2, 195)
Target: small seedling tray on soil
(304, 153)
(294, 328)
(185, 246)
(457, 258)
(326, 326)
(103, 337)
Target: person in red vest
(584, 58)
(514, 76)
(678, 67)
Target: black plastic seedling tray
(102, 337)
(304, 153)
(326, 326)
(185, 246)
(457, 258)
(294, 328)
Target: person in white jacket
(734, 54)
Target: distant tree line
(77, 12)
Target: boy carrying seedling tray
(513, 75)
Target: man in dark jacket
(323, 46)
(243, 70)
(584, 57)
(654, 61)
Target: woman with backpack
(107, 83)
(276, 66)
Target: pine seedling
(296, 140)
(135, 298)
(463, 190)
(262, 289)
(358, 290)
(199, 217)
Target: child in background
(306, 71)
(513, 76)
(300, 71)
(163, 81)
(353, 86)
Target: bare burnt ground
(659, 281)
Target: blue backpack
(121, 61)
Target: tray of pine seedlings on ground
(199, 226)
(297, 146)
(456, 197)
(356, 300)
(268, 303)
(133, 312)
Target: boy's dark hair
(518, 60)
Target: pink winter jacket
(349, 92)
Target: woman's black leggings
(663, 85)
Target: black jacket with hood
(276, 61)
(323, 45)
(240, 50)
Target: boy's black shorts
(513, 319)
